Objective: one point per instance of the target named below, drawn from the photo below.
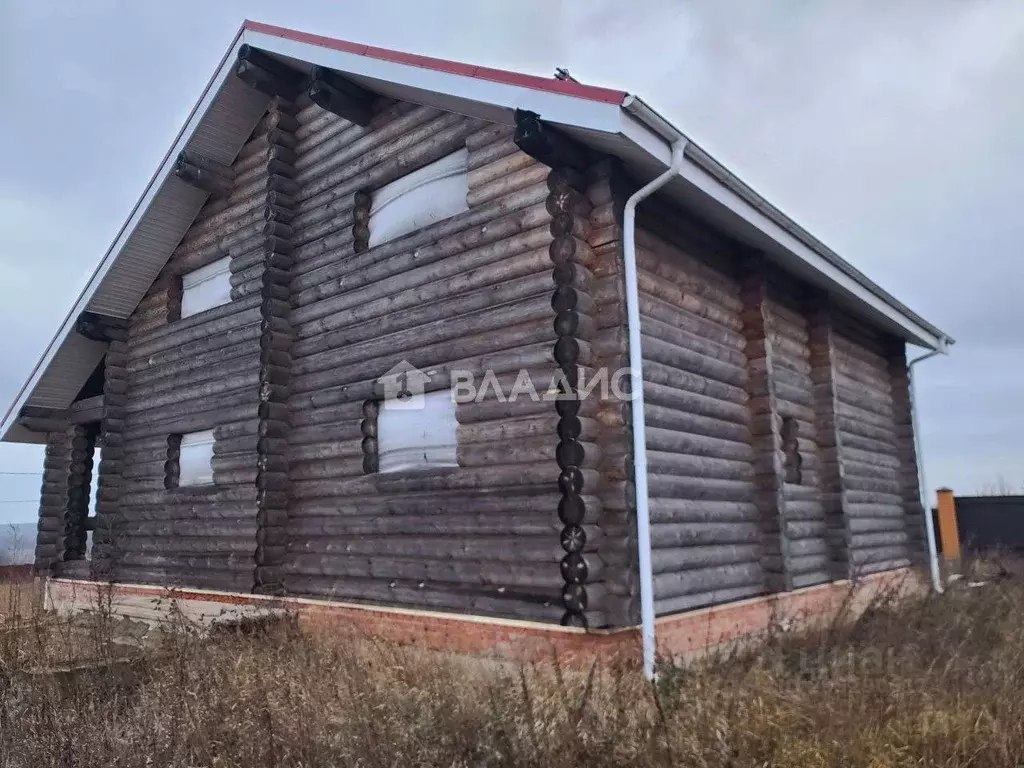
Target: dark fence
(990, 522)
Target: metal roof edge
(506, 77)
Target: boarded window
(206, 287)
(417, 432)
(430, 194)
(195, 459)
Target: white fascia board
(656, 146)
(553, 107)
(224, 70)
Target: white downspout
(929, 525)
(636, 359)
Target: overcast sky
(894, 131)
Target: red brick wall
(683, 635)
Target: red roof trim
(552, 85)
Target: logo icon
(403, 386)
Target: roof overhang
(608, 120)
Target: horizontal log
(335, 349)
(688, 602)
(214, 365)
(502, 166)
(203, 325)
(385, 164)
(450, 525)
(218, 527)
(521, 575)
(481, 350)
(541, 475)
(520, 549)
(669, 486)
(544, 607)
(513, 279)
(504, 185)
(677, 583)
(497, 503)
(695, 305)
(150, 398)
(420, 267)
(341, 157)
(488, 134)
(688, 558)
(175, 419)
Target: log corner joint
(259, 70)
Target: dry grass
(937, 681)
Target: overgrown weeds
(935, 680)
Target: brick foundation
(679, 636)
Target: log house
(330, 212)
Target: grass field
(933, 681)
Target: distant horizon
(17, 543)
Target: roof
(608, 120)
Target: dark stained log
(336, 94)
(499, 167)
(546, 144)
(97, 327)
(519, 213)
(54, 505)
(42, 419)
(203, 173)
(86, 411)
(383, 164)
(342, 142)
(266, 74)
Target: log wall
(713, 540)
(224, 369)
(882, 532)
(475, 293)
(810, 558)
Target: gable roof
(608, 120)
